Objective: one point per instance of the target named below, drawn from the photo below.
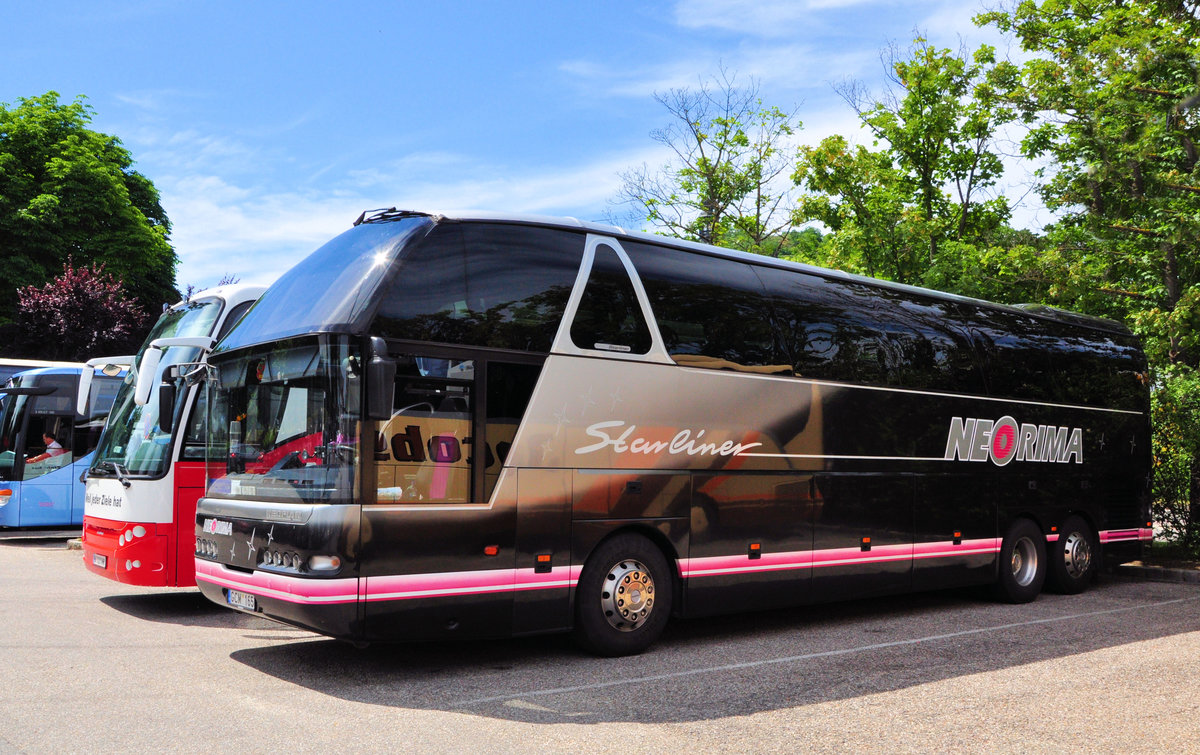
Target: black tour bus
(489, 425)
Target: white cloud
(220, 228)
(763, 18)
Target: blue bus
(46, 443)
(10, 366)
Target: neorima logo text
(1003, 440)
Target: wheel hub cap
(1024, 562)
(1077, 555)
(628, 595)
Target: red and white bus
(147, 474)
(442, 427)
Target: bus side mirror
(381, 382)
(166, 406)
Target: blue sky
(268, 127)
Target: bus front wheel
(1022, 563)
(623, 599)
(1072, 557)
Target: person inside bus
(53, 448)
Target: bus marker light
(543, 564)
(866, 544)
(324, 563)
(1054, 529)
(491, 550)
(755, 551)
(958, 538)
(6, 494)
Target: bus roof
(230, 292)
(337, 284)
(1036, 310)
(35, 363)
(65, 369)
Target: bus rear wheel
(1022, 563)
(1073, 557)
(623, 599)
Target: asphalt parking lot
(93, 666)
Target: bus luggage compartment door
(544, 570)
(437, 571)
(863, 537)
(751, 541)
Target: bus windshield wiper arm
(121, 472)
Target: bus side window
(503, 286)
(609, 317)
(100, 402)
(41, 458)
(423, 453)
(710, 311)
(194, 442)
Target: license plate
(239, 599)
(100, 560)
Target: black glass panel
(711, 311)
(609, 318)
(480, 284)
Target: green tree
(726, 181)
(1175, 412)
(68, 191)
(1114, 86)
(894, 208)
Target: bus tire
(624, 595)
(1022, 563)
(1072, 558)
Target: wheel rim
(1024, 562)
(1077, 554)
(627, 598)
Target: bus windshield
(285, 421)
(133, 438)
(333, 289)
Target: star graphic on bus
(561, 418)
(615, 397)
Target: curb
(1158, 574)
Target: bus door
(49, 482)
(439, 537)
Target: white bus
(149, 469)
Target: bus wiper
(120, 471)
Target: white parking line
(806, 656)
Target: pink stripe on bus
(406, 586)
(719, 565)
(446, 584)
(280, 586)
(1118, 536)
